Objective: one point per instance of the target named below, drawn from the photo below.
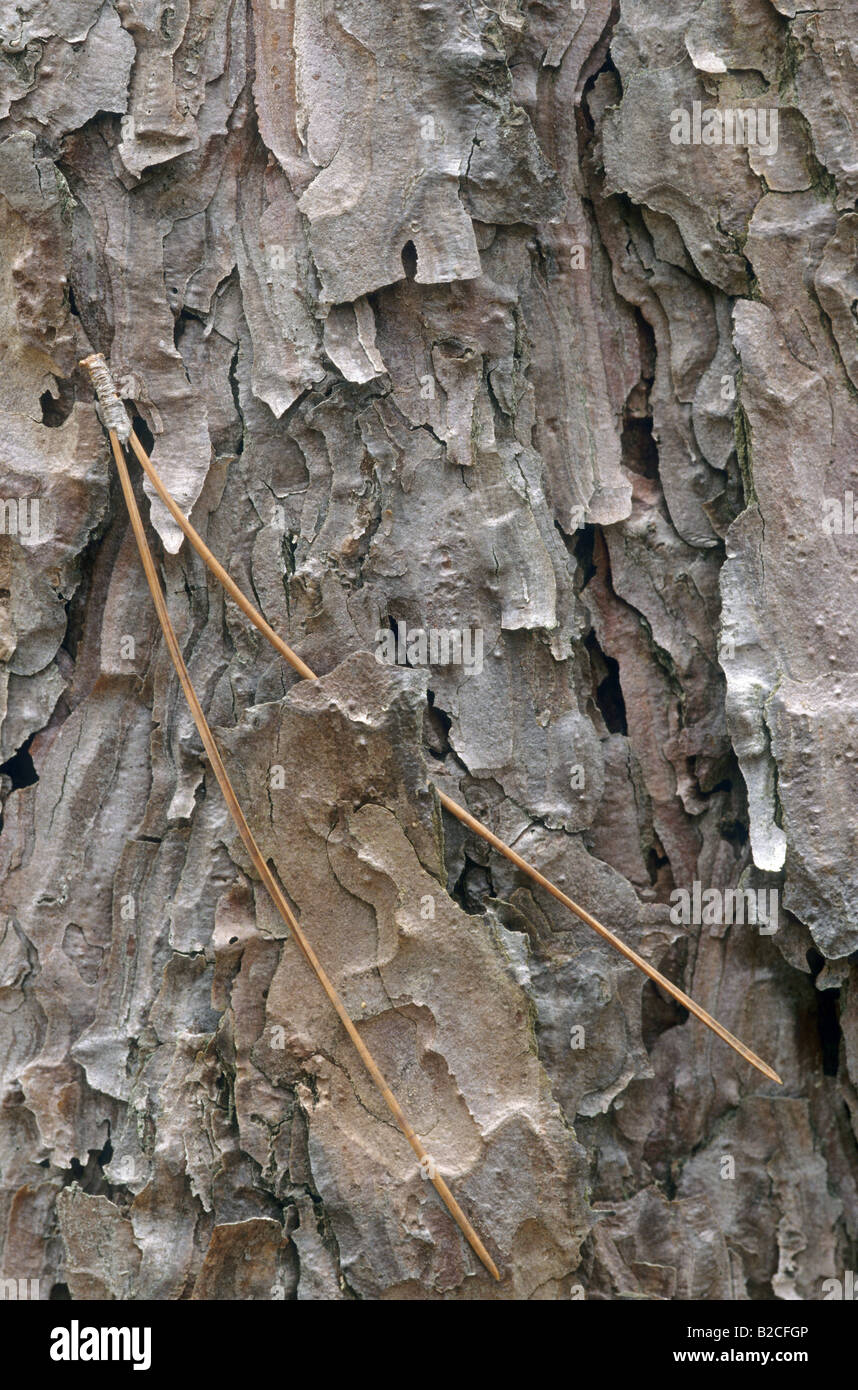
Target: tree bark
(436, 323)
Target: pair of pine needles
(119, 429)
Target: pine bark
(432, 326)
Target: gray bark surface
(429, 322)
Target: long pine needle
(447, 802)
(427, 1165)
(110, 401)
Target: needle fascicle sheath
(113, 412)
(426, 1163)
(447, 802)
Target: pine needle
(117, 425)
(427, 1165)
(447, 802)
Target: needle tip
(767, 1071)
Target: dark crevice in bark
(56, 409)
(640, 452)
(607, 690)
(659, 1011)
(19, 768)
(143, 432)
(473, 888)
(582, 547)
(657, 862)
(828, 1028)
(409, 260)
(436, 728)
